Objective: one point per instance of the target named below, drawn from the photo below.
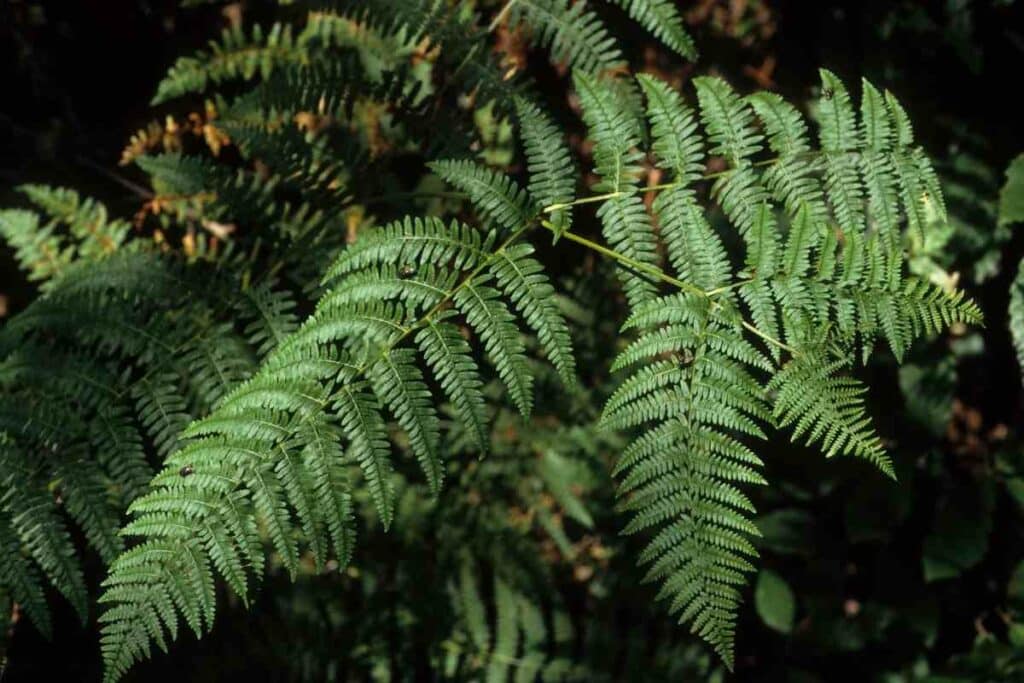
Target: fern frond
(406, 311)
(448, 355)
(272, 450)
(678, 476)
(399, 383)
(411, 242)
(120, 452)
(162, 410)
(496, 196)
(362, 421)
(694, 249)
(331, 486)
(32, 516)
(236, 55)
(522, 279)
(490, 318)
(19, 577)
(840, 135)
(87, 498)
(272, 314)
(695, 383)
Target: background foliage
(860, 578)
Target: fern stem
(665, 277)
(584, 200)
(768, 338)
(627, 261)
(725, 288)
(663, 186)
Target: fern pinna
(721, 354)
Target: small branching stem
(656, 272)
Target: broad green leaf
(775, 602)
(1011, 198)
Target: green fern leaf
(362, 421)
(523, 280)
(496, 196)
(448, 355)
(399, 383)
(21, 579)
(552, 173)
(662, 19)
(491, 319)
(625, 223)
(827, 408)
(573, 33)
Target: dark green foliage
(328, 354)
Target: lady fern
(708, 365)
(764, 265)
